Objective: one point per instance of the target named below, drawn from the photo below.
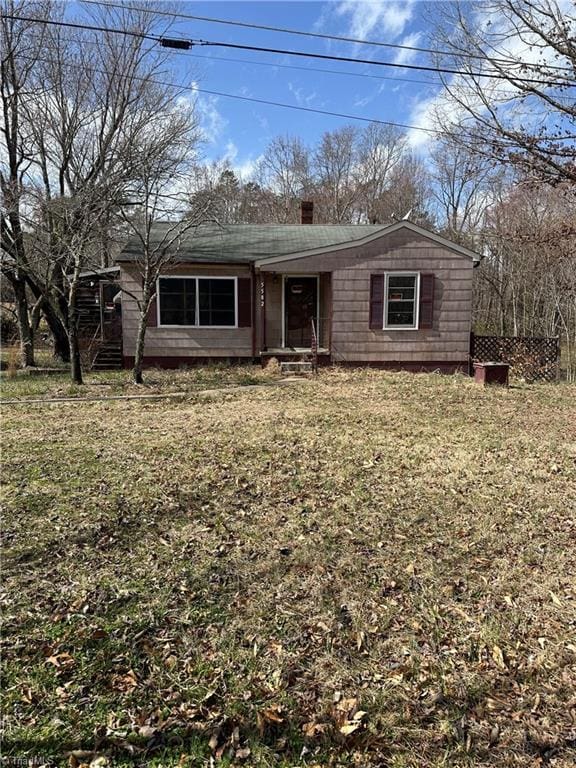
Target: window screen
(177, 301)
(401, 301)
(216, 302)
(197, 301)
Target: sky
(240, 131)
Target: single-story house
(393, 296)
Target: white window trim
(197, 307)
(414, 327)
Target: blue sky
(240, 130)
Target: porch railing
(314, 347)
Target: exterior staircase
(108, 357)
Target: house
(393, 296)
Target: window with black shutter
(401, 310)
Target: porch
(295, 314)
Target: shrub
(8, 327)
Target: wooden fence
(530, 358)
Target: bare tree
(461, 185)
(526, 115)
(161, 195)
(284, 170)
(19, 54)
(410, 193)
(526, 284)
(91, 99)
(335, 162)
(380, 150)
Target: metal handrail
(90, 359)
(314, 347)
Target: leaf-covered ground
(365, 569)
(23, 385)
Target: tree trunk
(75, 362)
(25, 331)
(139, 352)
(58, 331)
(54, 322)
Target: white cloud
(303, 99)
(244, 169)
(405, 55)
(423, 115)
(440, 108)
(367, 17)
(212, 122)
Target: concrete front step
(296, 367)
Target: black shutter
(426, 301)
(376, 302)
(244, 302)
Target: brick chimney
(307, 212)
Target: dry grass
(367, 569)
(21, 385)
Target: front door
(300, 308)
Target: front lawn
(363, 569)
(24, 385)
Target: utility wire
(318, 35)
(195, 89)
(418, 67)
(345, 73)
(182, 43)
(74, 25)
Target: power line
(418, 67)
(74, 25)
(345, 73)
(195, 89)
(318, 35)
(184, 43)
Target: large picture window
(197, 301)
(401, 301)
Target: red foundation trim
(418, 366)
(422, 366)
(160, 361)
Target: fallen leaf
(99, 762)
(313, 729)
(60, 660)
(555, 599)
(350, 727)
(498, 657)
(125, 683)
(272, 714)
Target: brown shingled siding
(352, 340)
(183, 342)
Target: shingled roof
(245, 243)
